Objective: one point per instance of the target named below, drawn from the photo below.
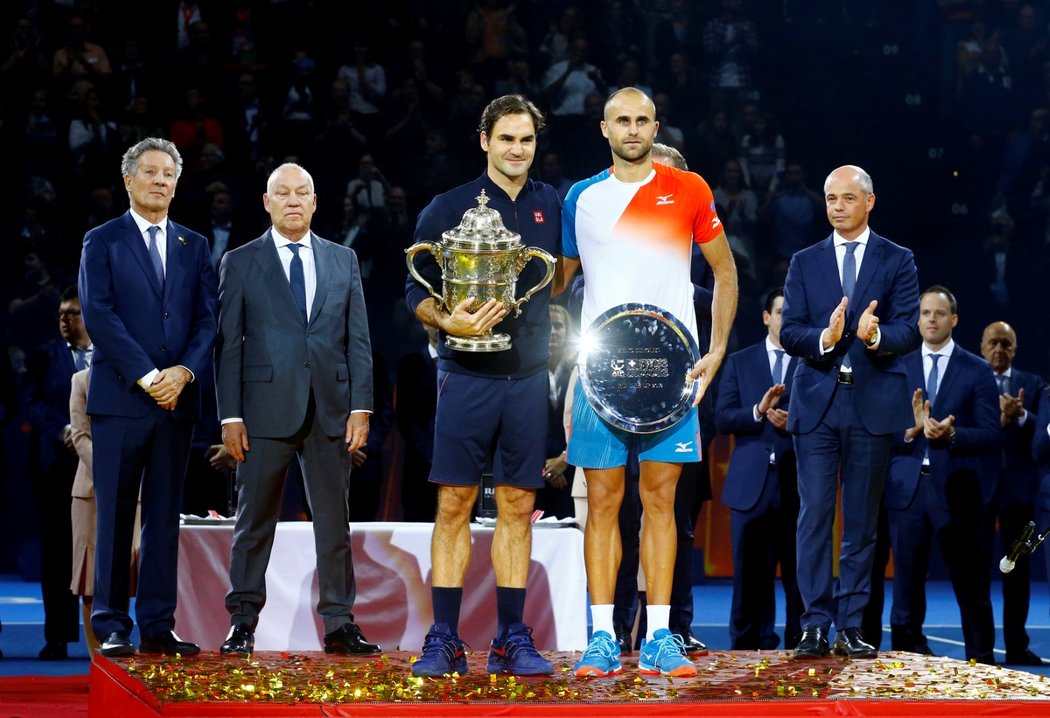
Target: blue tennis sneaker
(602, 657)
(665, 655)
(515, 653)
(443, 653)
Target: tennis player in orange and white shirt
(632, 227)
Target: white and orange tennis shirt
(634, 239)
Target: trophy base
(487, 343)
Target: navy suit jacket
(1021, 479)
(968, 392)
(811, 292)
(745, 379)
(267, 362)
(136, 325)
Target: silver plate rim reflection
(607, 412)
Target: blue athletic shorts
(498, 423)
(595, 444)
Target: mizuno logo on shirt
(664, 199)
(683, 447)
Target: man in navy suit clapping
(850, 312)
(941, 480)
(761, 488)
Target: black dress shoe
(623, 638)
(1023, 659)
(53, 651)
(813, 644)
(117, 644)
(850, 643)
(349, 641)
(241, 640)
(169, 644)
(693, 645)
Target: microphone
(1020, 547)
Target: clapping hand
(836, 324)
(1011, 408)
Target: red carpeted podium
(729, 683)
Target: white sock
(601, 619)
(656, 617)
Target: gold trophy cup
(480, 258)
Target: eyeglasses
(69, 314)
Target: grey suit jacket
(267, 361)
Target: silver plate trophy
(633, 364)
(482, 259)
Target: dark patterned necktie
(297, 279)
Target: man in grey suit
(294, 381)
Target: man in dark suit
(147, 289)
(294, 378)
(850, 312)
(760, 488)
(1018, 479)
(940, 481)
(54, 464)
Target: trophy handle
(535, 252)
(410, 253)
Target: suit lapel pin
(182, 240)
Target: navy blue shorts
(497, 423)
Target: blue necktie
(849, 281)
(1002, 380)
(849, 270)
(79, 359)
(933, 380)
(298, 280)
(778, 367)
(154, 254)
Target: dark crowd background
(944, 102)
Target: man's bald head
(629, 93)
(999, 346)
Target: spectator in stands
(369, 187)
(26, 66)
(367, 82)
(680, 32)
(79, 59)
(730, 46)
(492, 32)
(195, 129)
(737, 204)
(715, 144)
(568, 82)
(762, 157)
(518, 79)
(792, 214)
